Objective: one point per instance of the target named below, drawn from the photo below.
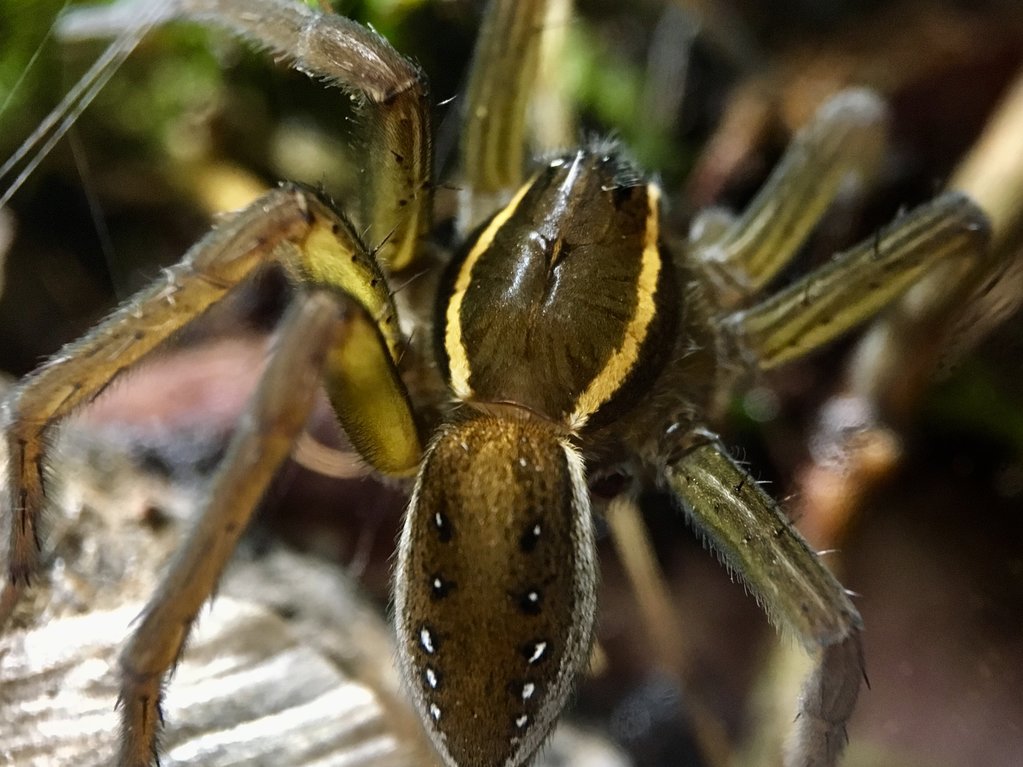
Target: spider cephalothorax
(569, 336)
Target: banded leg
(316, 246)
(856, 284)
(396, 203)
(745, 526)
(843, 142)
(945, 315)
(516, 37)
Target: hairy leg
(842, 143)
(748, 531)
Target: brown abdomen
(495, 590)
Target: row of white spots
(432, 679)
(539, 649)
(527, 692)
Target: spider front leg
(745, 527)
(288, 225)
(394, 122)
(81, 370)
(343, 326)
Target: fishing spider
(569, 335)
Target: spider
(569, 335)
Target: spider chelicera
(568, 335)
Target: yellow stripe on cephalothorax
(611, 377)
(458, 357)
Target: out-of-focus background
(706, 94)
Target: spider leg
(516, 39)
(843, 142)
(751, 535)
(82, 369)
(858, 283)
(318, 248)
(945, 315)
(396, 204)
(370, 398)
(277, 414)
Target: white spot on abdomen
(538, 651)
(426, 639)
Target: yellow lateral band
(458, 357)
(613, 374)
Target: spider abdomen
(495, 588)
(564, 297)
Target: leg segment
(279, 412)
(843, 141)
(83, 369)
(746, 528)
(397, 200)
(316, 246)
(515, 36)
(858, 283)
(370, 398)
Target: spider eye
(495, 558)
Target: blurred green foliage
(183, 72)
